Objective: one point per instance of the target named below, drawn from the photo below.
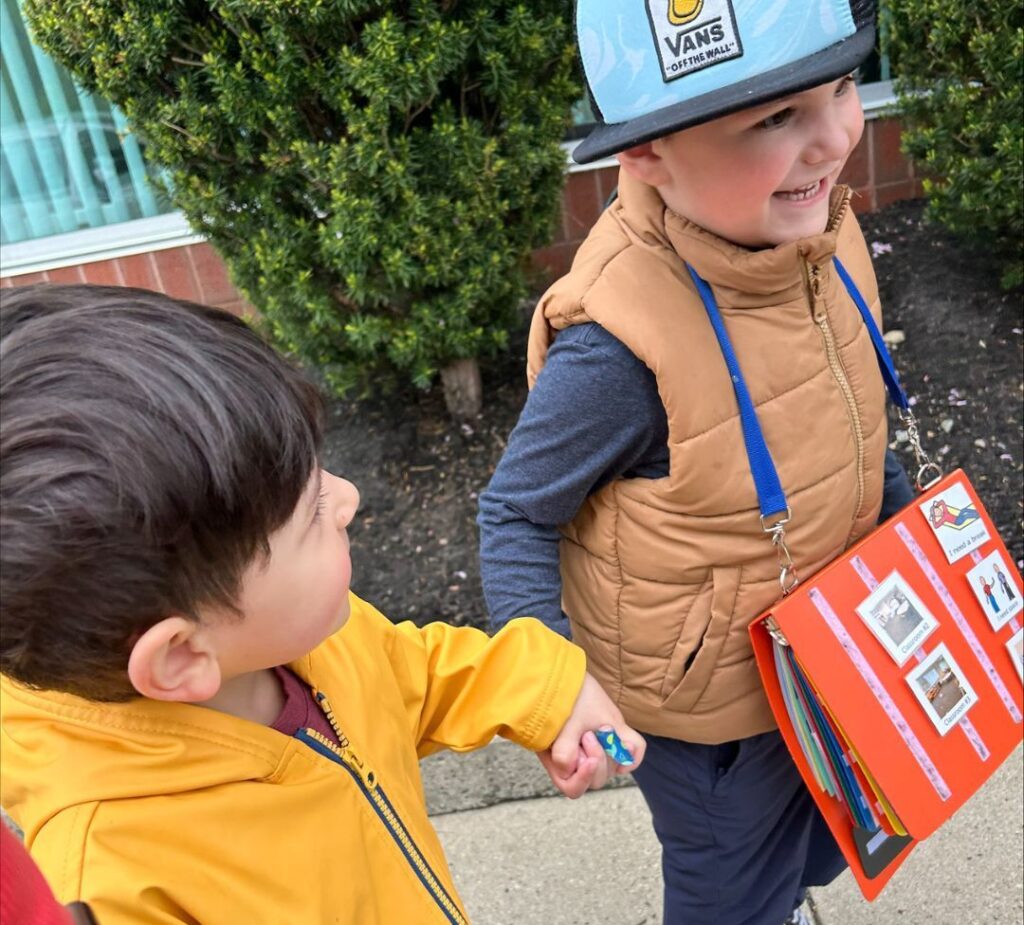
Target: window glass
(67, 161)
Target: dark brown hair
(148, 448)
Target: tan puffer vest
(661, 577)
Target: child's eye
(844, 85)
(776, 119)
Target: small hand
(576, 762)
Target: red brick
(607, 182)
(582, 204)
(863, 200)
(103, 273)
(175, 275)
(894, 192)
(65, 275)
(857, 171)
(28, 279)
(552, 262)
(6, 282)
(890, 162)
(214, 282)
(138, 271)
(559, 235)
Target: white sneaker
(799, 916)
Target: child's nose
(346, 500)
(831, 140)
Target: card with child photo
(994, 585)
(895, 614)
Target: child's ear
(172, 660)
(644, 163)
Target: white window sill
(166, 231)
(140, 236)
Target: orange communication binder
(908, 650)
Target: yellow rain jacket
(158, 812)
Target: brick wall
(195, 272)
(877, 171)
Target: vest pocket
(696, 654)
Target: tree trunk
(463, 394)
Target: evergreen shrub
(375, 174)
(959, 70)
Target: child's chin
(801, 226)
(341, 620)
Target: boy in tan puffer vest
(623, 510)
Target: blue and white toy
(613, 747)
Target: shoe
(799, 916)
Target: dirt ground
(415, 539)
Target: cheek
(853, 119)
(856, 130)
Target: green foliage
(960, 87)
(374, 173)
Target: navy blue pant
(741, 836)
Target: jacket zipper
(812, 276)
(366, 780)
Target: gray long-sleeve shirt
(594, 415)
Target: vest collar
(741, 278)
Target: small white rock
(946, 424)
(902, 436)
(981, 443)
(894, 337)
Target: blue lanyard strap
(770, 496)
(892, 379)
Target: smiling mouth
(801, 193)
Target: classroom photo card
(941, 688)
(994, 585)
(895, 614)
(955, 521)
(1016, 649)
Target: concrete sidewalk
(542, 860)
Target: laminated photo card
(1016, 649)
(995, 590)
(895, 614)
(941, 688)
(955, 521)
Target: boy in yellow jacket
(200, 723)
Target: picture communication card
(895, 674)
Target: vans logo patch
(691, 35)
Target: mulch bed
(415, 539)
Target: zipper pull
(367, 776)
(815, 275)
(812, 273)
